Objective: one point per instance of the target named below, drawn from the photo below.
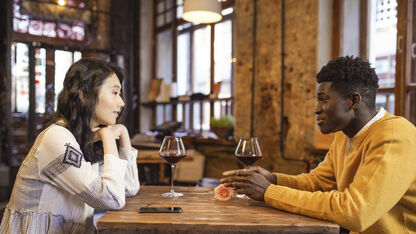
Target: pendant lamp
(202, 11)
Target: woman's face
(109, 103)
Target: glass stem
(171, 180)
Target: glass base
(169, 194)
(242, 196)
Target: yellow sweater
(370, 189)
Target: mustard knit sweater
(370, 189)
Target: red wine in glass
(248, 151)
(172, 150)
(172, 158)
(248, 159)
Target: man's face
(333, 111)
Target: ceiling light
(202, 11)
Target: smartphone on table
(160, 210)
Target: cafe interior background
(252, 73)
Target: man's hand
(247, 182)
(271, 177)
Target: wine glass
(172, 150)
(248, 150)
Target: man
(367, 181)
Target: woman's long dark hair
(77, 101)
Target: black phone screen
(160, 210)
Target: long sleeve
(382, 176)
(131, 178)
(321, 178)
(61, 163)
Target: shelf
(152, 104)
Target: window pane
(40, 79)
(205, 116)
(383, 35)
(179, 112)
(183, 63)
(385, 100)
(170, 14)
(413, 50)
(160, 7)
(63, 60)
(179, 9)
(223, 57)
(187, 116)
(412, 107)
(168, 113)
(159, 114)
(77, 56)
(196, 116)
(164, 56)
(202, 56)
(20, 78)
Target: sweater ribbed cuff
(282, 179)
(273, 192)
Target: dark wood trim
(174, 58)
(31, 125)
(364, 29)
(402, 55)
(5, 85)
(50, 82)
(154, 59)
(212, 70)
(386, 90)
(150, 104)
(135, 65)
(57, 42)
(337, 28)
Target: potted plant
(222, 127)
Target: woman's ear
(355, 100)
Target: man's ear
(355, 100)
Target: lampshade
(202, 11)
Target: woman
(74, 165)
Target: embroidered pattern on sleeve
(54, 168)
(72, 156)
(105, 198)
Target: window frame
(402, 85)
(173, 26)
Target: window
(386, 38)
(191, 59)
(382, 50)
(63, 60)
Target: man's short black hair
(349, 75)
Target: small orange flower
(223, 193)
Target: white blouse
(56, 190)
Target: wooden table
(203, 214)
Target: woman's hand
(109, 134)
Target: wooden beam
(337, 28)
(364, 29)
